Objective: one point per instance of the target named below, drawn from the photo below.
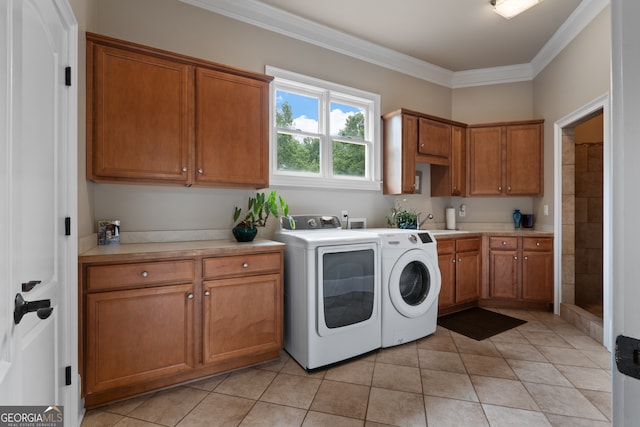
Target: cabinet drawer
(468, 245)
(506, 243)
(445, 246)
(537, 244)
(241, 265)
(103, 277)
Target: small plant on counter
(401, 217)
(259, 208)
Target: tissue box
(109, 232)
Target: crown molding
(490, 76)
(586, 12)
(270, 18)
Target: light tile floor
(543, 373)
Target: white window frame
(370, 102)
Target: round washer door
(414, 283)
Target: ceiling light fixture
(510, 8)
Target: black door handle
(22, 307)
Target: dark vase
(517, 217)
(243, 234)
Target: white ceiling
(455, 43)
(458, 35)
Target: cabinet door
(232, 130)
(467, 276)
(409, 146)
(537, 276)
(434, 138)
(524, 169)
(138, 117)
(447, 265)
(138, 335)
(242, 316)
(485, 161)
(503, 274)
(451, 180)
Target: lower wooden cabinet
(151, 320)
(241, 316)
(520, 272)
(138, 335)
(460, 269)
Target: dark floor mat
(478, 323)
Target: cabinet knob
(245, 265)
(200, 171)
(526, 258)
(459, 259)
(537, 243)
(184, 169)
(500, 188)
(207, 293)
(515, 257)
(504, 243)
(509, 188)
(145, 274)
(453, 260)
(189, 296)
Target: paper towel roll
(450, 217)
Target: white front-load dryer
(410, 285)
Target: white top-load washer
(332, 290)
(411, 284)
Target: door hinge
(67, 226)
(67, 375)
(67, 76)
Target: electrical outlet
(344, 217)
(546, 210)
(463, 211)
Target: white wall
(175, 26)
(579, 75)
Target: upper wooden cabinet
(452, 180)
(434, 138)
(232, 130)
(411, 137)
(138, 124)
(496, 159)
(158, 117)
(506, 159)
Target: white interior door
(38, 191)
(625, 111)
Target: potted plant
(401, 217)
(259, 209)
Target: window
(323, 134)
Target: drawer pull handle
(145, 274)
(245, 265)
(207, 293)
(190, 296)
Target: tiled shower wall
(582, 226)
(589, 226)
